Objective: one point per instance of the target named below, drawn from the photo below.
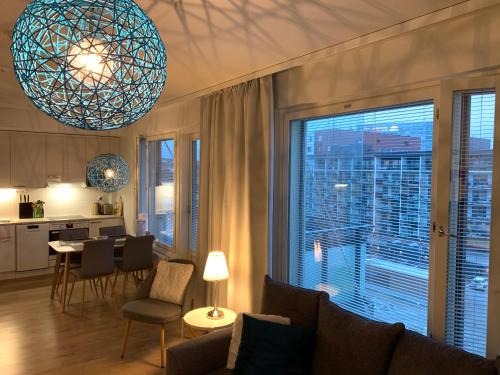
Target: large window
(195, 195)
(359, 211)
(161, 190)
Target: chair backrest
(138, 253)
(74, 234)
(114, 231)
(98, 258)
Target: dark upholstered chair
(114, 231)
(76, 234)
(137, 256)
(97, 261)
(152, 311)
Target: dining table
(67, 248)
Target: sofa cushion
(300, 305)
(349, 344)
(274, 348)
(416, 354)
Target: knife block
(25, 210)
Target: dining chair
(137, 256)
(152, 311)
(75, 234)
(97, 261)
(113, 231)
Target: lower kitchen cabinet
(32, 246)
(7, 248)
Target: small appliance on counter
(107, 209)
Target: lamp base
(215, 314)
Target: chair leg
(92, 281)
(125, 278)
(106, 285)
(162, 345)
(114, 283)
(125, 336)
(102, 287)
(83, 293)
(72, 287)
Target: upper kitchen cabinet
(4, 159)
(55, 155)
(100, 145)
(28, 160)
(74, 165)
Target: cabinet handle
(95, 222)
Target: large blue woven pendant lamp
(91, 64)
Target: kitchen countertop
(61, 219)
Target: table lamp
(216, 270)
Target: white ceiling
(212, 41)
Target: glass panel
(161, 213)
(360, 187)
(470, 215)
(195, 194)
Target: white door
(466, 246)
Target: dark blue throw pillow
(270, 348)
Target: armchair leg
(125, 336)
(125, 278)
(162, 345)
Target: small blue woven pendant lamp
(108, 172)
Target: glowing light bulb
(109, 173)
(89, 62)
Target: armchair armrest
(201, 355)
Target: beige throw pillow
(237, 329)
(170, 281)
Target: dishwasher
(31, 246)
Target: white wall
(58, 201)
(468, 43)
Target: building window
(161, 190)
(195, 195)
(359, 211)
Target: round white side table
(198, 319)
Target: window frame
(281, 193)
(177, 221)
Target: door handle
(443, 232)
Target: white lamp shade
(216, 267)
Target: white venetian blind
(470, 215)
(195, 195)
(360, 187)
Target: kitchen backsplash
(60, 201)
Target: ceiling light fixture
(108, 172)
(91, 64)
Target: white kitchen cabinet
(7, 248)
(95, 224)
(55, 155)
(100, 145)
(74, 165)
(4, 159)
(28, 160)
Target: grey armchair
(152, 311)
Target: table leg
(56, 275)
(65, 281)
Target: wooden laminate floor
(36, 338)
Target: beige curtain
(234, 200)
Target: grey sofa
(345, 343)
